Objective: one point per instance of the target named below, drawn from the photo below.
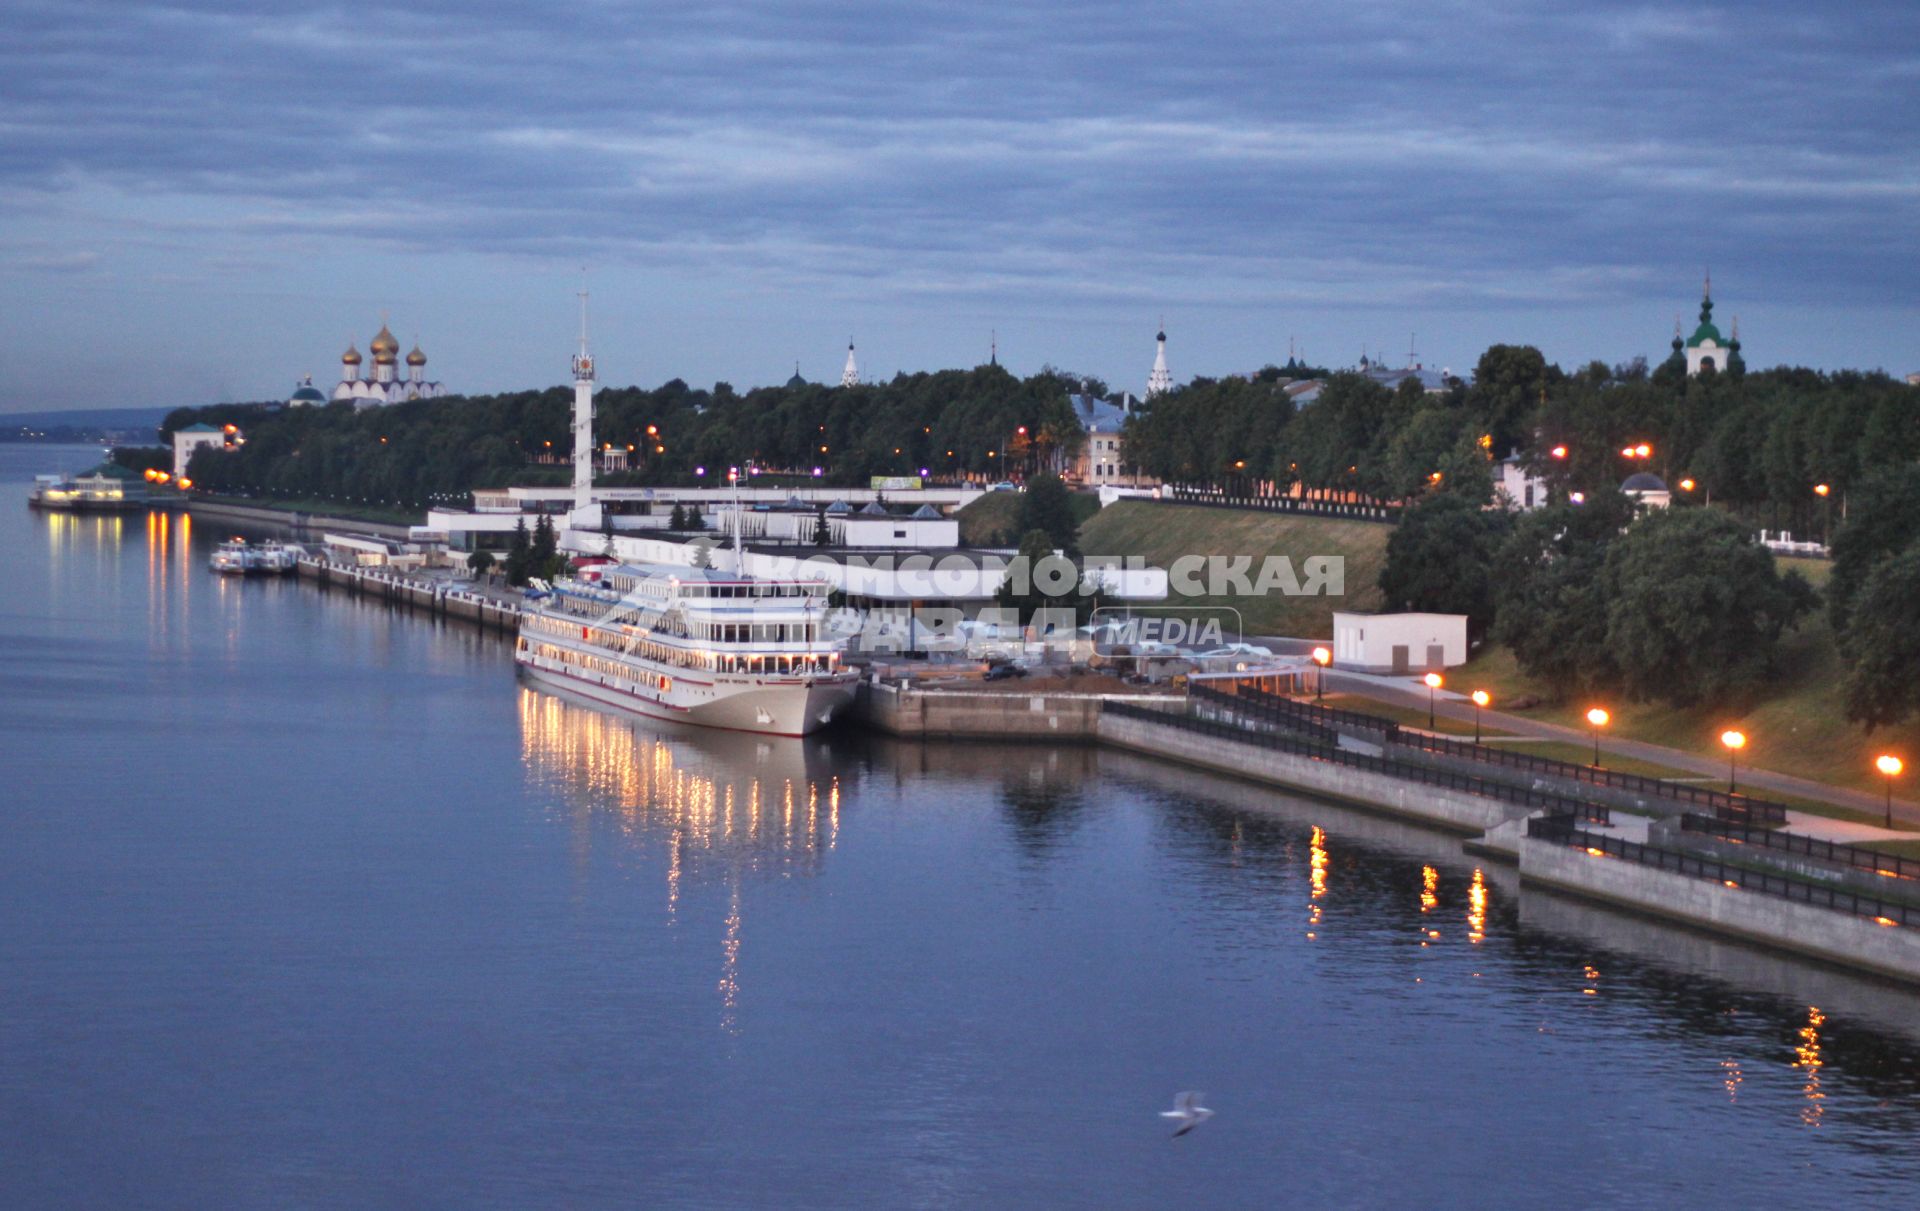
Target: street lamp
(1735, 741)
(1321, 657)
(1480, 699)
(1434, 682)
(1597, 718)
(1889, 766)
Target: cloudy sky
(201, 201)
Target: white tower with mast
(850, 377)
(585, 514)
(1161, 380)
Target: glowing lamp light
(1559, 451)
(1643, 450)
(1434, 681)
(653, 430)
(924, 471)
(1598, 717)
(1821, 489)
(1687, 485)
(816, 473)
(1889, 765)
(699, 470)
(1578, 498)
(1022, 430)
(1481, 698)
(1322, 657)
(185, 484)
(1733, 739)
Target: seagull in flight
(1187, 1108)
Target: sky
(204, 201)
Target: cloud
(1074, 156)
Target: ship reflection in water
(715, 808)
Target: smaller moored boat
(238, 557)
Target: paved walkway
(1408, 692)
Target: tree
(1882, 643)
(1549, 603)
(480, 562)
(1441, 558)
(695, 520)
(678, 521)
(822, 536)
(1883, 519)
(1047, 507)
(1695, 608)
(519, 554)
(702, 554)
(545, 556)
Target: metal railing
(1735, 808)
(1254, 699)
(1856, 856)
(1564, 830)
(1425, 775)
(1731, 807)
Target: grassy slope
(993, 520)
(1163, 533)
(1801, 729)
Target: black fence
(1235, 498)
(1259, 703)
(1735, 808)
(1730, 807)
(1562, 805)
(1812, 847)
(1565, 830)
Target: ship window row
(800, 663)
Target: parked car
(1002, 486)
(1005, 672)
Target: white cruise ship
(717, 649)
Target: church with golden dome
(383, 383)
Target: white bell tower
(1161, 380)
(850, 377)
(585, 514)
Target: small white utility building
(1399, 643)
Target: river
(307, 902)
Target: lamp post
(1480, 699)
(1889, 767)
(1321, 657)
(1434, 682)
(1735, 741)
(1597, 718)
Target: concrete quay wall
(1820, 933)
(433, 597)
(1450, 809)
(982, 714)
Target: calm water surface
(304, 902)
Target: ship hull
(772, 707)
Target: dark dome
(1644, 481)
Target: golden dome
(383, 342)
(416, 358)
(351, 357)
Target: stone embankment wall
(1449, 809)
(1823, 933)
(289, 519)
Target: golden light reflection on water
(1808, 1059)
(1730, 1077)
(698, 802)
(1317, 859)
(1477, 907)
(1429, 889)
